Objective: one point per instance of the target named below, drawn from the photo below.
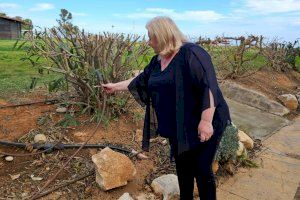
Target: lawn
(16, 74)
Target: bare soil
(16, 122)
(272, 83)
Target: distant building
(10, 28)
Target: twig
(64, 184)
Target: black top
(161, 86)
(193, 76)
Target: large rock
(113, 169)
(252, 98)
(166, 185)
(245, 139)
(289, 100)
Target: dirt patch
(18, 121)
(272, 83)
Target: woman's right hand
(109, 87)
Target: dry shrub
(79, 56)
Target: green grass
(15, 74)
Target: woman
(181, 85)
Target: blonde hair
(168, 36)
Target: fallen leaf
(14, 177)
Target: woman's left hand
(205, 130)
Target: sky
(207, 18)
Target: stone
(215, 166)
(252, 98)
(245, 139)
(240, 150)
(61, 109)
(40, 138)
(113, 169)
(167, 186)
(288, 100)
(9, 158)
(126, 196)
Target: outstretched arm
(119, 86)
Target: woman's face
(153, 43)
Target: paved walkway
(258, 124)
(278, 176)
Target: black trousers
(197, 163)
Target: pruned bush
(275, 53)
(234, 57)
(281, 56)
(80, 56)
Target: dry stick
(35, 196)
(65, 184)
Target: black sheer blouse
(161, 86)
(191, 76)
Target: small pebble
(40, 138)
(9, 158)
(61, 110)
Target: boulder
(245, 139)
(125, 196)
(290, 101)
(167, 186)
(113, 169)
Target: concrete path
(257, 123)
(278, 176)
